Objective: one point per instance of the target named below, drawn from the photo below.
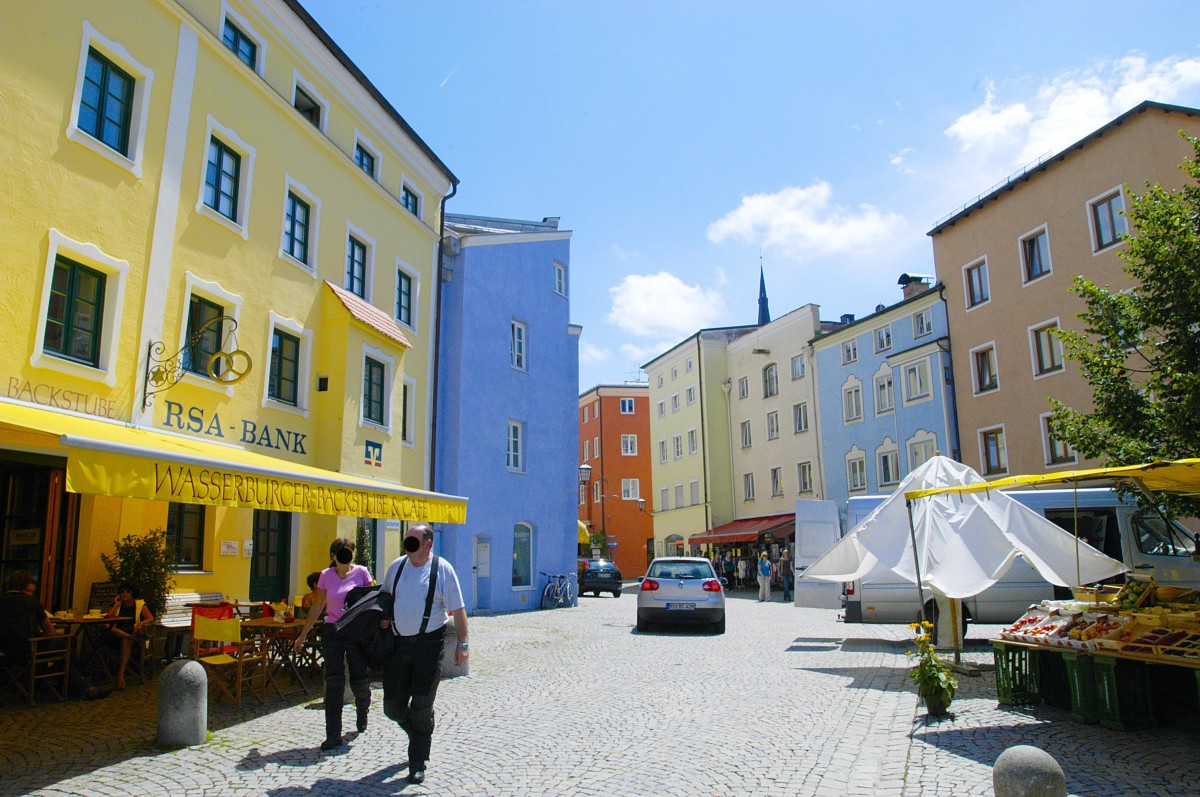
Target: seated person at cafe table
(22, 618)
(129, 626)
(306, 602)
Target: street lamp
(585, 477)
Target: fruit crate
(1017, 672)
(1123, 699)
(1081, 681)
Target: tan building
(1007, 260)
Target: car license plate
(681, 607)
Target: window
(687, 365)
(852, 409)
(922, 322)
(693, 442)
(597, 491)
(748, 486)
(662, 450)
(586, 449)
(1047, 349)
(1035, 255)
(993, 454)
(222, 179)
(689, 394)
(889, 467)
(516, 346)
(916, 380)
(677, 444)
(662, 409)
(800, 417)
(776, 482)
(804, 477)
(596, 446)
(746, 434)
(743, 387)
(285, 367)
(560, 279)
(374, 391)
(772, 425)
(185, 535)
(630, 489)
(674, 402)
(407, 395)
(856, 473)
(1057, 451)
(1108, 221)
(885, 394)
(660, 380)
(770, 376)
(522, 570)
(976, 284)
(203, 338)
(629, 445)
(920, 452)
(1158, 537)
(850, 352)
(106, 104)
(798, 367)
(240, 44)
(627, 406)
(664, 499)
(296, 228)
(75, 315)
(984, 362)
(585, 414)
(883, 339)
(411, 201)
(364, 159)
(674, 372)
(679, 495)
(516, 450)
(694, 491)
(308, 107)
(404, 297)
(356, 267)
(582, 494)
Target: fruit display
(1135, 593)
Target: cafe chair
(49, 663)
(240, 661)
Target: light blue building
(885, 393)
(507, 429)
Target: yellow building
(218, 296)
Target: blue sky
(681, 140)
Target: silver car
(681, 589)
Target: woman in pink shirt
(335, 583)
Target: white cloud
(644, 354)
(663, 305)
(988, 124)
(803, 224)
(898, 161)
(589, 353)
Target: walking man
(786, 574)
(423, 589)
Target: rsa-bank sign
(194, 420)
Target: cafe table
(88, 631)
(279, 636)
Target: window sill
(224, 221)
(103, 150)
(192, 572)
(310, 270)
(52, 362)
(292, 409)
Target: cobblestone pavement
(575, 702)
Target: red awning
(746, 529)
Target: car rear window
(680, 570)
(601, 566)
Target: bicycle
(559, 590)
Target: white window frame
(773, 425)
(596, 446)
(631, 489)
(143, 81)
(660, 380)
(849, 407)
(677, 445)
(689, 394)
(293, 186)
(627, 403)
(389, 379)
(418, 193)
(662, 450)
(408, 435)
(856, 473)
(1041, 229)
(629, 447)
(674, 372)
(747, 434)
(664, 499)
(693, 442)
(693, 492)
(360, 235)
(678, 489)
(976, 386)
(1048, 443)
(975, 265)
(921, 366)
(850, 351)
(587, 447)
(800, 417)
(414, 312)
(804, 483)
(514, 460)
(560, 279)
(1055, 345)
(305, 85)
(743, 387)
(770, 377)
(251, 33)
(662, 408)
(674, 402)
(303, 365)
(880, 407)
(922, 321)
(893, 455)
(979, 437)
(747, 486)
(1090, 209)
(231, 306)
(799, 369)
(597, 491)
(884, 344)
(228, 137)
(687, 365)
(776, 482)
(369, 147)
(920, 439)
(518, 350)
(116, 274)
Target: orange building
(614, 440)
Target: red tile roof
(367, 313)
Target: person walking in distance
(764, 578)
(421, 589)
(786, 574)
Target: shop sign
(767, 538)
(60, 398)
(373, 454)
(196, 421)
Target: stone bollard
(449, 668)
(1025, 771)
(182, 705)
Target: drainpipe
(437, 337)
(949, 390)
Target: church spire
(764, 313)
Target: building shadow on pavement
(390, 780)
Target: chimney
(912, 284)
(847, 318)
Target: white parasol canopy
(964, 542)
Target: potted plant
(143, 560)
(935, 682)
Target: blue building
(507, 429)
(885, 393)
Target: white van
(1142, 540)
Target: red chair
(223, 611)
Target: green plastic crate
(1123, 699)
(1081, 681)
(1016, 675)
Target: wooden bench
(176, 620)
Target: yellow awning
(1181, 477)
(585, 536)
(106, 458)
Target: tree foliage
(1140, 349)
(143, 561)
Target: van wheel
(931, 613)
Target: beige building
(1007, 260)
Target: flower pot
(936, 703)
